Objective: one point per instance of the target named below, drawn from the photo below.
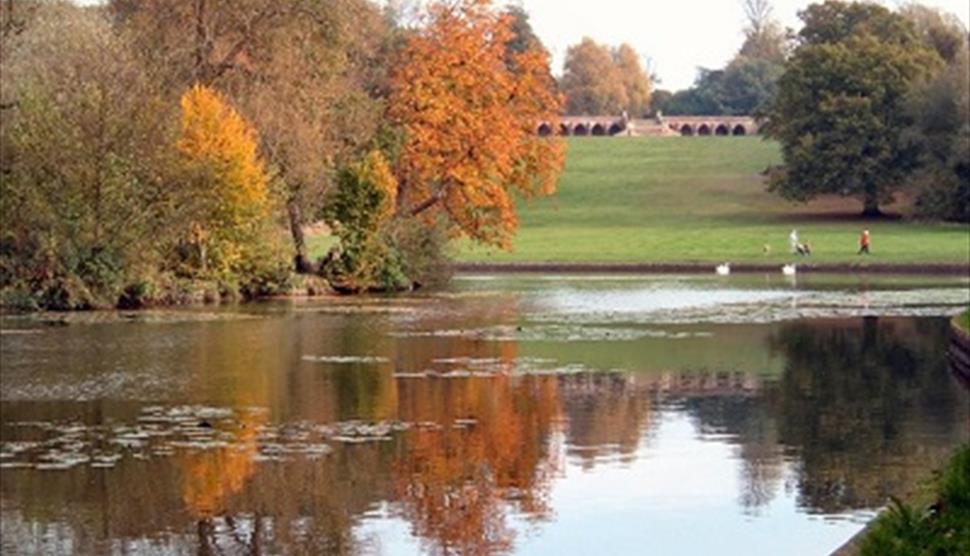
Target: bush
(943, 529)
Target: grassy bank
(943, 528)
(699, 200)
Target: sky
(676, 36)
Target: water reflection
(320, 433)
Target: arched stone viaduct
(665, 126)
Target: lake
(505, 415)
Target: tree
(748, 80)
(229, 184)
(598, 80)
(941, 111)
(524, 37)
(591, 82)
(941, 31)
(468, 118)
(636, 83)
(839, 112)
(307, 73)
(764, 38)
(358, 212)
(84, 196)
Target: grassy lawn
(697, 200)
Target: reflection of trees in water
(456, 483)
(607, 413)
(867, 404)
(752, 422)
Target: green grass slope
(699, 200)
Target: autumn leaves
(468, 106)
(290, 112)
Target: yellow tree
(228, 190)
(469, 108)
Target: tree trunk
(871, 204)
(300, 260)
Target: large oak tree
(839, 112)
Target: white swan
(788, 270)
(723, 269)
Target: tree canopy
(598, 80)
(468, 116)
(840, 109)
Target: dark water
(533, 416)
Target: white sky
(676, 35)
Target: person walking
(793, 241)
(864, 242)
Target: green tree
(524, 37)
(941, 110)
(840, 109)
(359, 212)
(85, 200)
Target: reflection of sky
(680, 496)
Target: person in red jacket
(864, 242)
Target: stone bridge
(663, 126)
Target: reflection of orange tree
(454, 484)
(213, 476)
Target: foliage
(839, 112)
(358, 212)
(600, 81)
(307, 74)
(84, 200)
(227, 183)
(468, 115)
(941, 31)
(941, 111)
(748, 80)
(945, 529)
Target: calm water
(545, 415)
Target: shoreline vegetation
(153, 157)
(935, 521)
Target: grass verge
(944, 528)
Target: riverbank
(932, 269)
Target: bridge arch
(704, 129)
(616, 128)
(722, 130)
(599, 130)
(686, 130)
(581, 130)
(564, 130)
(739, 130)
(545, 130)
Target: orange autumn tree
(469, 107)
(228, 189)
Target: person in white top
(793, 241)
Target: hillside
(699, 200)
